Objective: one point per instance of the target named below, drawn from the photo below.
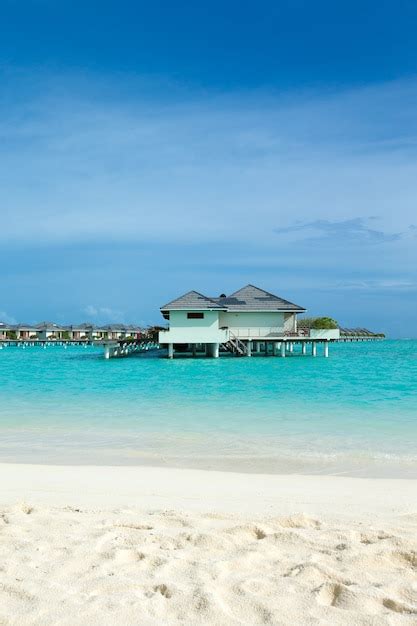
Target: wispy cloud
(80, 166)
(104, 313)
(7, 319)
(356, 230)
(370, 285)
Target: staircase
(235, 345)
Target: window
(195, 316)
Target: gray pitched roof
(83, 326)
(192, 301)
(23, 326)
(48, 326)
(113, 327)
(251, 298)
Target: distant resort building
(50, 331)
(80, 332)
(26, 331)
(4, 329)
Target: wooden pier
(260, 347)
(120, 349)
(277, 347)
(47, 343)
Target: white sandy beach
(142, 546)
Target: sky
(151, 148)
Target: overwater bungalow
(49, 331)
(110, 331)
(5, 329)
(135, 332)
(238, 323)
(25, 331)
(80, 332)
(118, 331)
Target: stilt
(216, 347)
(313, 349)
(249, 348)
(276, 348)
(326, 349)
(291, 346)
(283, 347)
(194, 350)
(304, 348)
(170, 350)
(258, 346)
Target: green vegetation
(324, 323)
(11, 334)
(317, 323)
(65, 335)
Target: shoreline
(372, 469)
(201, 490)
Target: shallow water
(354, 413)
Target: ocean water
(354, 413)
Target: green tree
(321, 323)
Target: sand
(147, 546)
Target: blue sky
(151, 148)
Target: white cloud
(369, 285)
(7, 319)
(79, 167)
(104, 313)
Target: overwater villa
(25, 331)
(247, 321)
(116, 331)
(50, 331)
(4, 329)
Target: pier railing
(254, 333)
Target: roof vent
(222, 295)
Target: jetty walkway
(300, 344)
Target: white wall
(184, 330)
(290, 323)
(329, 333)
(256, 324)
(208, 329)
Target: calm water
(355, 412)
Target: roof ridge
(255, 287)
(247, 298)
(268, 293)
(194, 293)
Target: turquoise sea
(353, 413)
